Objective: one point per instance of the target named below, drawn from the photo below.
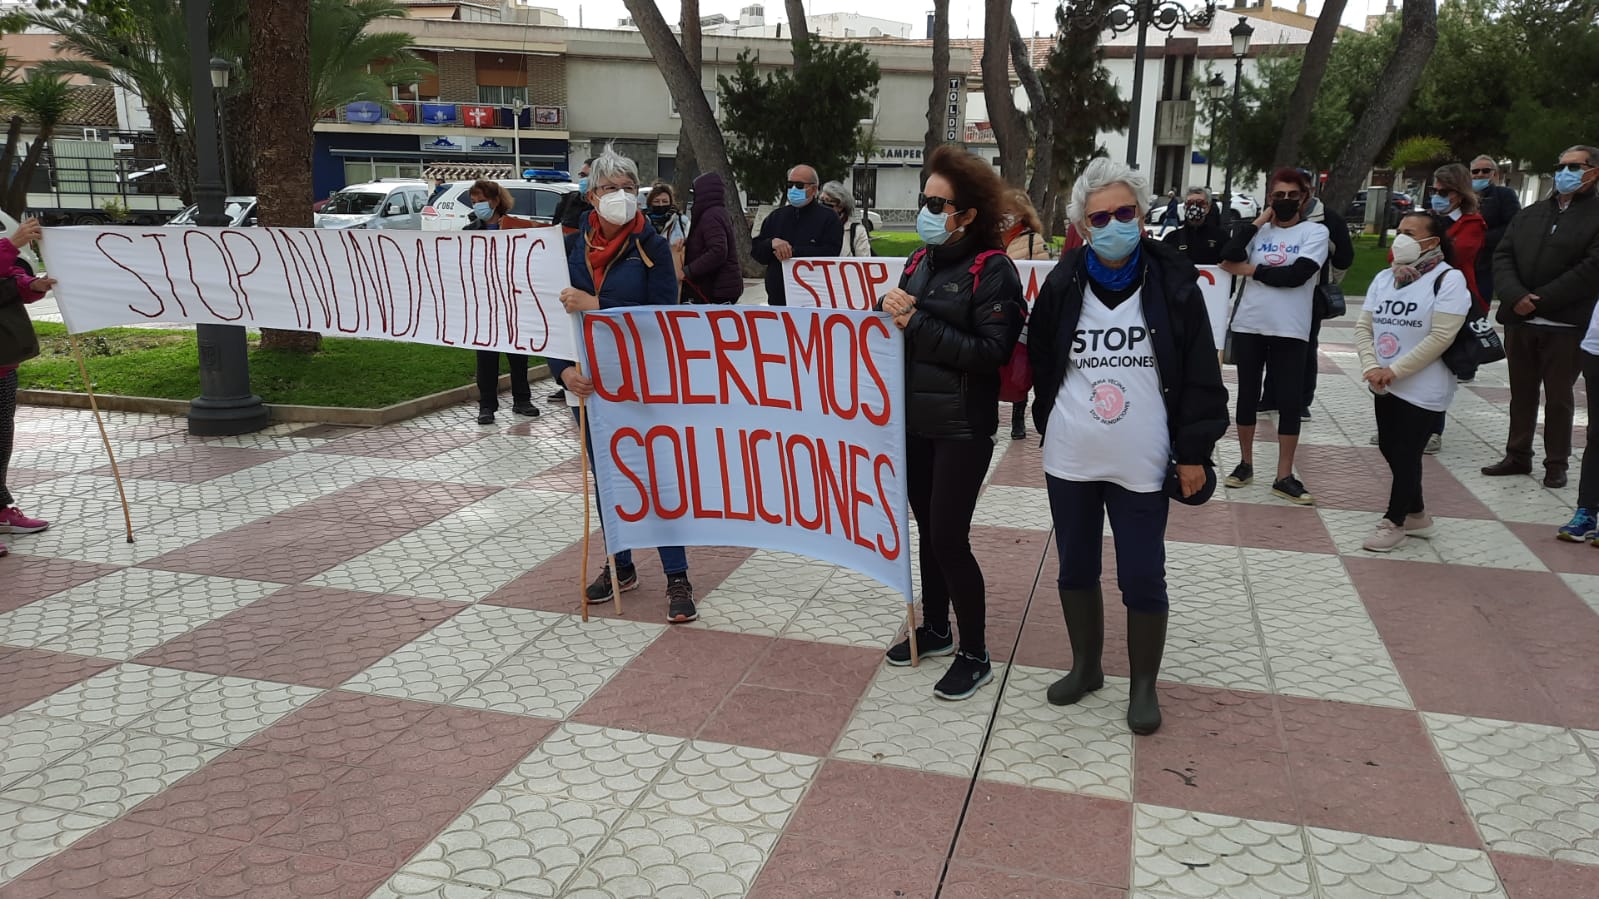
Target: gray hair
(1591, 152)
(611, 165)
(834, 190)
(1484, 157)
(1202, 191)
(1100, 174)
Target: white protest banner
(487, 290)
(743, 426)
(857, 283)
(1217, 287)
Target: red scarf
(603, 251)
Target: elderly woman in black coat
(1130, 404)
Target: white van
(388, 204)
(531, 198)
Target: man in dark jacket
(1545, 272)
(572, 207)
(1497, 204)
(1201, 237)
(803, 227)
(711, 272)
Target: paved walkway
(347, 663)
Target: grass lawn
(363, 374)
(1369, 260)
(895, 243)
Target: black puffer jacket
(1553, 254)
(1174, 312)
(710, 252)
(957, 340)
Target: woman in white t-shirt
(1413, 312)
(1279, 257)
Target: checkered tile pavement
(347, 663)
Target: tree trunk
(938, 100)
(687, 164)
(1043, 123)
(8, 157)
(176, 149)
(280, 38)
(1312, 68)
(16, 198)
(799, 33)
(1009, 131)
(1418, 34)
(699, 123)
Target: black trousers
(1402, 432)
(1311, 370)
(1138, 526)
(1588, 484)
(1253, 353)
(943, 478)
(8, 430)
(488, 380)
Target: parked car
(384, 204)
(239, 210)
(1399, 203)
(533, 197)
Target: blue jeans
(674, 559)
(1138, 524)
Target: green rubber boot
(1085, 627)
(1146, 642)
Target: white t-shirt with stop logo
(1109, 420)
(1402, 316)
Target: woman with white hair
(1130, 403)
(617, 259)
(857, 238)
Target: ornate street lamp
(225, 406)
(1124, 15)
(221, 71)
(1241, 33)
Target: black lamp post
(1215, 89)
(1124, 15)
(225, 406)
(1241, 34)
(221, 70)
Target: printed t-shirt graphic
(1281, 311)
(1402, 316)
(1109, 420)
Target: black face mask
(660, 214)
(1285, 210)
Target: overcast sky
(966, 16)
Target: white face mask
(1406, 249)
(619, 206)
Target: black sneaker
(1241, 475)
(928, 645)
(485, 416)
(680, 599)
(558, 395)
(1290, 489)
(965, 675)
(527, 408)
(1305, 415)
(1018, 432)
(600, 590)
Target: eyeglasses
(1289, 195)
(1482, 171)
(1121, 214)
(1440, 189)
(801, 184)
(829, 204)
(1572, 167)
(935, 205)
(605, 189)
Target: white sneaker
(1418, 524)
(1434, 444)
(1387, 538)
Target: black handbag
(1476, 343)
(1330, 301)
(18, 341)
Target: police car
(533, 196)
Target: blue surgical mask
(1116, 240)
(583, 185)
(1440, 203)
(1480, 184)
(931, 227)
(483, 209)
(797, 196)
(1567, 181)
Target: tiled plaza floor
(348, 663)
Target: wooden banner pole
(910, 620)
(77, 353)
(582, 450)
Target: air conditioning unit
(91, 134)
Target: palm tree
(142, 48)
(348, 64)
(41, 98)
